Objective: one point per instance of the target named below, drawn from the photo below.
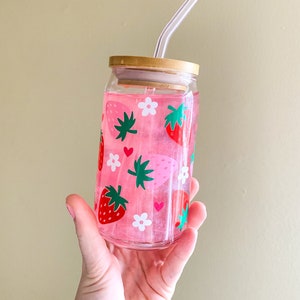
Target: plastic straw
(176, 20)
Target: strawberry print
(145, 166)
(174, 124)
(181, 203)
(120, 120)
(125, 126)
(113, 111)
(112, 206)
(154, 171)
(163, 168)
(141, 172)
(101, 152)
(183, 218)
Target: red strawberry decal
(101, 152)
(175, 122)
(181, 204)
(112, 206)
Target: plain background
(53, 69)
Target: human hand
(111, 272)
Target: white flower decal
(148, 107)
(141, 221)
(184, 174)
(113, 161)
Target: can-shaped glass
(146, 151)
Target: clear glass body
(146, 157)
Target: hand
(111, 272)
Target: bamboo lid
(153, 63)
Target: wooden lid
(153, 63)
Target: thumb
(96, 257)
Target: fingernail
(71, 211)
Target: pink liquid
(145, 168)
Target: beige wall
(53, 68)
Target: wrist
(95, 288)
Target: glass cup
(146, 151)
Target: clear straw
(176, 20)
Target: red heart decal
(128, 151)
(158, 205)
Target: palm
(109, 271)
(142, 273)
(152, 274)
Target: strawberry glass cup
(146, 151)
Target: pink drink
(145, 167)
